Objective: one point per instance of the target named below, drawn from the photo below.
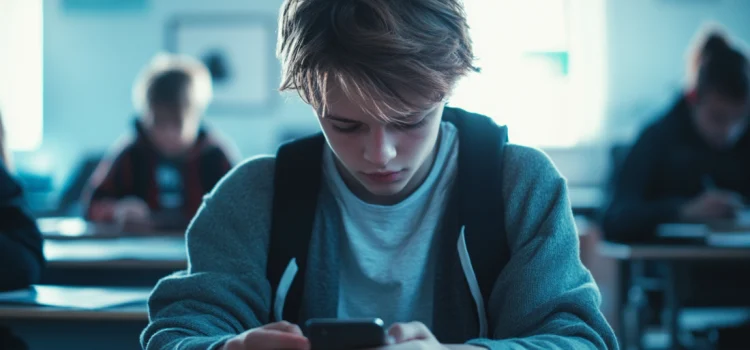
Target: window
(538, 68)
(21, 72)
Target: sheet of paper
(743, 218)
(682, 230)
(736, 234)
(141, 248)
(76, 297)
(730, 239)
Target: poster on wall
(238, 50)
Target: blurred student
(159, 177)
(693, 164)
(402, 208)
(21, 258)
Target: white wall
(91, 59)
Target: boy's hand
(274, 336)
(131, 210)
(416, 336)
(712, 205)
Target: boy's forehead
(363, 107)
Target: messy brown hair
(172, 80)
(384, 50)
(710, 37)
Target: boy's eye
(405, 126)
(348, 127)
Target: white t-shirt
(386, 268)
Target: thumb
(403, 332)
(731, 199)
(285, 326)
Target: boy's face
(382, 163)
(719, 120)
(173, 130)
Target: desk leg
(633, 313)
(672, 303)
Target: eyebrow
(340, 119)
(422, 114)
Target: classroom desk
(144, 252)
(671, 252)
(115, 328)
(30, 313)
(670, 255)
(73, 228)
(131, 261)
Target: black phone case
(335, 334)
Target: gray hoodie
(543, 299)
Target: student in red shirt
(160, 176)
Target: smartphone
(351, 334)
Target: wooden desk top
(671, 252)
(121, 313)
(133, 252)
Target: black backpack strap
(296, 186)
(480, 196)
(480, 169)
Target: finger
(737, 202)
(143, 206)
(270, 339)
(403, 332)
(731, 213)
(731, 198)
(724, 208)
(143, 213)
(718, 213)
(284, 326)
(136, 216)
(139, 207)
(129, 201)
(409, 345)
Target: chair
(70, 199)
